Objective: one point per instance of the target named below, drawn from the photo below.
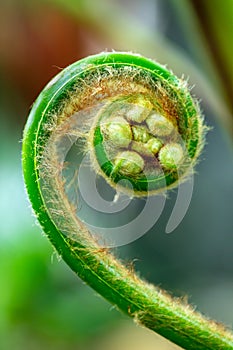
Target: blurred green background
(43, 305)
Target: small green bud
(154, 145)
(117, 130)
(140, 133)
(129, 163)
(171, 156)
(139, 109)
(159, 125)
(141, 148)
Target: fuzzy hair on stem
(68, 113)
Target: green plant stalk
(148, 305)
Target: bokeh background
(43, 305)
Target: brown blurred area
(37, 41)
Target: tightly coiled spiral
(137, 120)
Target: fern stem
(50, 121)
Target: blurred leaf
(209, 26)
(124, 32)
(216, 22)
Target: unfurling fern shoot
(142, 133)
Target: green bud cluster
(148, 130)
(137, 135)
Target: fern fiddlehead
(142, 132)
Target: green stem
(42, 165)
